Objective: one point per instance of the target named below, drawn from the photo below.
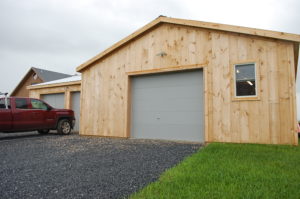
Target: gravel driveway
(55, 166)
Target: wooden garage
(61, 93)
(245, 94)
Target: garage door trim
(179, 70)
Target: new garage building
(61, 93)
(188, 80)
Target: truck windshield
(2, 103)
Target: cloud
(60, 35)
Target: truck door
(42, 117)
(5, 116)
(22, 115)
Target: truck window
(37, 104)
(2, 103)
(21, 103)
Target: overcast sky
(60, 35)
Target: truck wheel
(44, 131)
(64, 127)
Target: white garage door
(76, 108)
(168, 106)
(56, 100)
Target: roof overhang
(199, 24)
(33, 87)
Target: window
(2, 103)
(245, 80)
(21, 103)
(37, 104)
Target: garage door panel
(168, 106)
(171, 80)
(169, 132)
(168, 117)
(168, 93)
(56, 100)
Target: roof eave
(32, 87)
(235, 29)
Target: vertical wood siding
(105, 98)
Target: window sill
(256, 98)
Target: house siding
(271, 119)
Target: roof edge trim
(193, 23)
(33, 87)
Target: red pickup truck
(27, 114)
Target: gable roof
(44, 75)
(199, 24)
(47, 75)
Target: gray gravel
(55, 166)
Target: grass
(231, 171)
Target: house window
(245, 80)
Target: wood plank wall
(105, 93)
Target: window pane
(21, 103)
(245, 88)
(245, 72)
(37, 104)
(245, 80)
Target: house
(35, 76)
(61, 93)
(189, 80)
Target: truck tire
(64, 127)
(44, 131)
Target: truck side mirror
(49, 108)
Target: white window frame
(246, 97)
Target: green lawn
(231, 171)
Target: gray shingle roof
(47, 75)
